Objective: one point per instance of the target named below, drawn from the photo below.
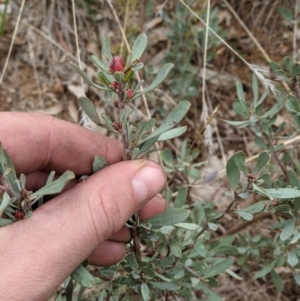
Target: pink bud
(114, 85)
(116, 64)
(116, 103)
(117, 126)
(129, 93)
(19, 215)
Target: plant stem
(273, 151)
(127, 156)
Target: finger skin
(63, 232)
(114, 250)
(40, 142)
(109, 253)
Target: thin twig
(273, 151)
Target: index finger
(40, 142)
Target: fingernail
(147, 182)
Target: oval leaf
(225, 250)
(4, 203)
(187, 226)
(170, 217)
(233, 173)
(100, 64)
(277, 281)
(288, 229)
(145, 291)
(172, 133)
(160, 76)
(166, 286)
(99, 163)
(86, 78)
(54, 187)
(174, 117)
(255, 208)
(7, 164)
(245, 215)
(139, 47)
(218, 268)
(106, 48)
(263, 272)
(181, 196)
(89, 108)
(282, 193)
(262, 161)
(82, 276)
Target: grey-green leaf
(139, 47)
(212, 296)
(55, 186)
(6, 163)
(187, 226)
(106, 48)
(262, 161)
(147, 144)
(282, 193)
(99, 163)
(181, 197)
(170, 134)
(131, 260)
(225, 250)
(233, 173)
(255, 89)
(240, 159)
(255, 208)
(240, 91)
(145, 291)
(100, 64)
(86, 78)
(288, 229)
(167, 286)
(292, 258)
(263, 272)
(4, 203)
(82, 276)
(89, 108)
(170, 217)
(160, 76)
(245, 215)
(277, 281)
(218, 268)
(174, 117)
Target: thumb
(63, 232)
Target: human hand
(86, 221)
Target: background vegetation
(247, 244)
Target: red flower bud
(19, 215)
(114, 85)
(116, 103)
(116, 64)
(129, 93)
(117, 126)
